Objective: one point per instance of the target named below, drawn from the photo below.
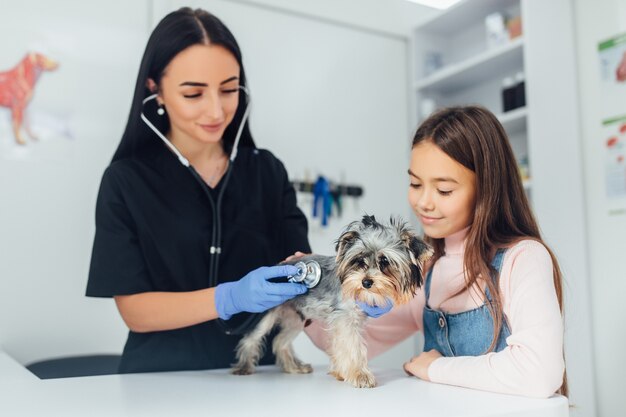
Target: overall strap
(429, 275)
(498, 259)
(496, 263)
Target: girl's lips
(428, 220)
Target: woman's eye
(230, 91)
(192, 95)
(415, 185)
(443, 192)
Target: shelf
(449, 21)
(514, 120)
(472, 71)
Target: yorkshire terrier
(374, 263)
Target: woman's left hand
(418, 365)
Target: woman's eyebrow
(200, 84)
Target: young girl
(491, 304)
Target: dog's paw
(242, 370)
(337, 375)
(297, 367)
(362, 380)
(304, 368)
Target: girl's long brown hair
(474, 137)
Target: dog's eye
(383, 262)
(360, 263)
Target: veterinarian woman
(186, 217)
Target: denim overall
(462, 334)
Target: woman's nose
(213, 107)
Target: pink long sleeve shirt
(532, 364)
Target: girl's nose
(425, 201)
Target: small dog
(373, 263)
(17, 88)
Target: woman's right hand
(254, 292)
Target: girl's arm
(532, 364)
(381, 333)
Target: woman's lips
(212, 128)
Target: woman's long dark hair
(474, 137)
(174, 33)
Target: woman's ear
(152, 86)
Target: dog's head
(42, 62)
(376, 261)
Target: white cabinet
(454, 64)
(545, 132)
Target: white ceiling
(393, 17)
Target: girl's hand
(418, 365)
(296, 255)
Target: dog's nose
(367, 283)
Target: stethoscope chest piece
(309, 273)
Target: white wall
(328, 98)
(557, 192)
(48, 189)
(597, 21)
(392, 17)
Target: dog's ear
(345, 241)
(420, 253)
(370, 221)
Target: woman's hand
(255, 292)
(296, 255)
(418, 365)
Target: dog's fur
(373, 263)
(17, 88)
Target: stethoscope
(309, 273)
(216, 235)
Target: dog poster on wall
(612, 54)
(67, 73)
(17, 88)
(34, 123)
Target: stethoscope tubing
(216, 208)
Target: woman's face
(442, 191)
(200, 92)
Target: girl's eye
(230, 91)
(442, 192)
(415, 185)
(192, 95)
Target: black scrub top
(153, 233)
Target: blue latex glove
(375, 311)
(254, 293)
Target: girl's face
(442, 192)
(200, 92)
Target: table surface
(269, 392)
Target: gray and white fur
(374, 263)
